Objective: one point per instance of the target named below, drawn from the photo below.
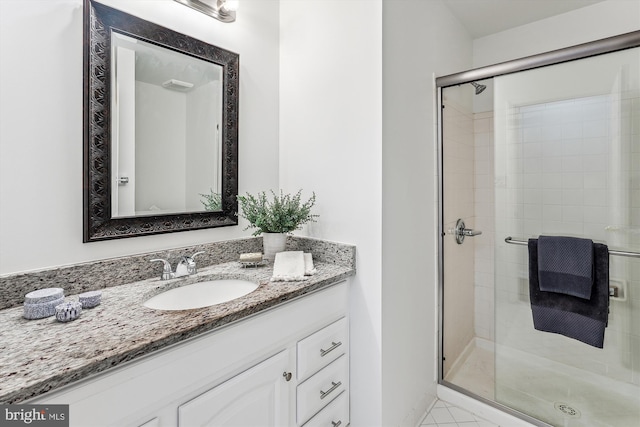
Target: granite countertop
(40, 355)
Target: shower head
(479, 88)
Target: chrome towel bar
(629, 254)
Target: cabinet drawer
(316, 392)
(335, 414)
(322, 347)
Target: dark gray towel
(578, 318)
(565, 265)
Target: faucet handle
(166, 270)
(191, 264)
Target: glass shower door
(567, 162)
(467, 178)
(550, 151)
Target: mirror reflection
(167, 110)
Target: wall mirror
(160, 129)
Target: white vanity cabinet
(286, 366)
(256, 397)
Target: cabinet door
(257, 397)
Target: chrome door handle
(461, 232)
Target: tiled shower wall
(571, 168)
(458, 183)
(484, 202)
(476, 129)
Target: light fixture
(175, 84)
(222, 10)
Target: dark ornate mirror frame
(99, 21)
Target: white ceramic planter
(272, 243)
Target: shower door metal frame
(581, 51)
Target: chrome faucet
(186, 267)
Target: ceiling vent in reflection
(178, 85)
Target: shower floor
(474, 371)
(555, 393)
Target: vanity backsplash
(102, 274)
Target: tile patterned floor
(444, 414)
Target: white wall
(41, 132)
(366, 147)
(421, 38)
(600, 20)
(331, 136)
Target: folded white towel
(288, 266)
(309, 269)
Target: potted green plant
(275, 217)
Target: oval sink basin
(201, 294)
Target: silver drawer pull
(334, 386)
(334, 345)
(336, 424)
